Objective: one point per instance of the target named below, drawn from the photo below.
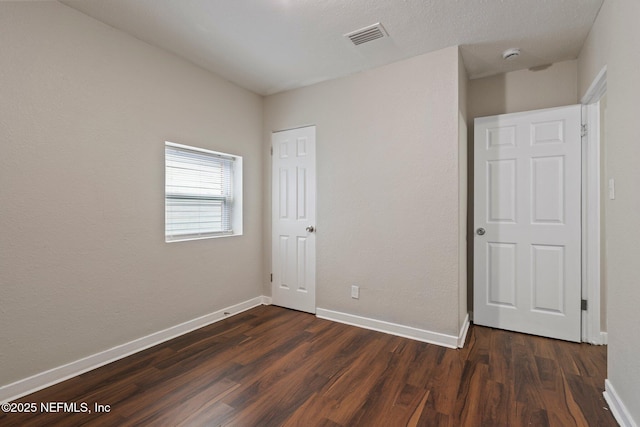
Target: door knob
(310, 229)
(480, 231)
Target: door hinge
(271, 151)
(583, 305)
(271, 279)
(583, 130)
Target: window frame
(232, 202)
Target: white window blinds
(198, 193)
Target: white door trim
(591, 328)
(527, 215)
(293, 218)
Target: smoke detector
(367, 34)
(510, 54)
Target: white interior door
(294, 219)
(527, 244)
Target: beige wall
(84, 115)
(387, 215)
(594, 53)
(524, 90)
(463, 83)
(613, 42)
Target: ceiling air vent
(367, 34)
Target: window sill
(189, 238)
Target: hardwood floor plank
(495, 400)
(526, 379)
(589, 399)
(271, 366)
(317, 407)
(417, 413)
(445, 382)
(471, 400)
(382, 400)
(500, 357)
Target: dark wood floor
(275, 367)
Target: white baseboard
(462, 337)
(618, 409)
(56, 375)
(423, 335)
(53, 376)
(604, 338)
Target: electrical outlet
(355, 291)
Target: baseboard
(604, 338)
(462, 337)
(56, 375)
(423, 335)
(619, 411)
(53, 376)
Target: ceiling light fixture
(510, 54)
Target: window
(203, 193)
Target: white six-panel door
(294, 219)
(527, 242)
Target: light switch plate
(612, 189)
(355, 291)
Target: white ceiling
(268, 46)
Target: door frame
(271, 222)
(575, 330)
(591, 204)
